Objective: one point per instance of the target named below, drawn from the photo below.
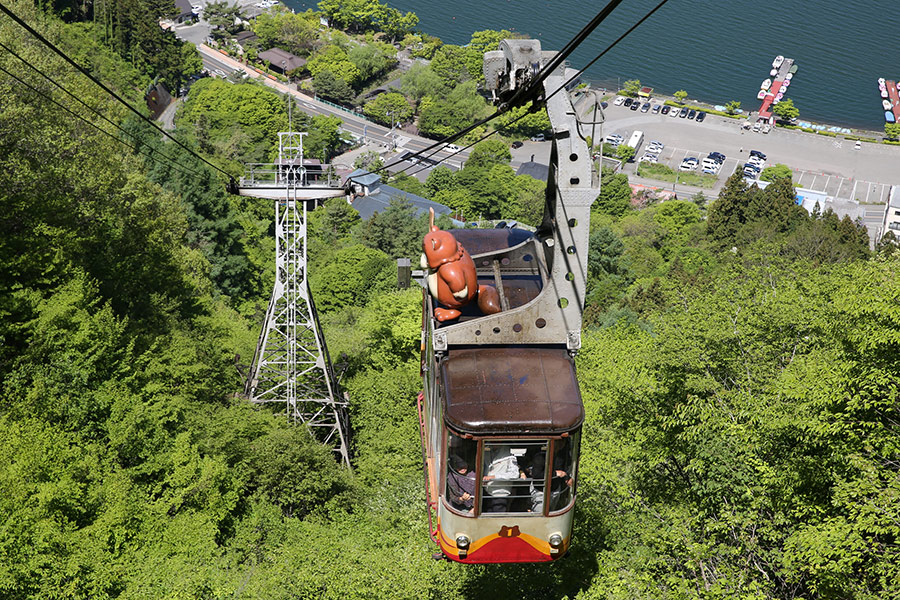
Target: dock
(894, 99)
(778, 89)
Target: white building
(892, 212)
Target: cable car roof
(511, 390)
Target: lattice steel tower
(291, 362)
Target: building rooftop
(277, 56)
(377, 197)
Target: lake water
(715, 50)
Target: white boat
(778, 60)
(773, 72)
(761, 95)
(886, 104)
(766, 84)
(884, 93)
(881, 81)
(785, 83)
(789, 76)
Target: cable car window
(512, 471)
(461, 473)
(562, 477)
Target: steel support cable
(558, 90)
(171, 161)
(94, 125)
(87, 74)
(528, 92)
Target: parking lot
(831, 165)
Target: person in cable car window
(560, 481)
(500, 474)
(460, 484)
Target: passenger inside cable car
(514, 475)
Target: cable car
(501, 412)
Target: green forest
(739, 369)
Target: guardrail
(270, 174)
(339, 107)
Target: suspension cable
(171, 161)
(87, 74)
(94, 125)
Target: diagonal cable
(94, 125)
(91, 108)
(87, 74)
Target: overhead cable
(87, 74)
(171, 161)
(94, 125)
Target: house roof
(534, 169)
(380, 196)
(275, 56)
(184, 7)
(244, 36)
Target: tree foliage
(389, 108)
(786, 110)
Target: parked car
(645, 107)
(614, 139)
(689, 164)
(756, 127)
(717, 156)
(683, 113)
(649, 157)
(619, 100)
(656, 108)
(674, 112)
(758, 154)
(628, 102)
(766, 128)
(635, 105)
(692, 113)
(538, 138)
(656, 143)
(700, 116)
(666, 109)
(517, 144)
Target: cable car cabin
(501, 412)
(501, 422)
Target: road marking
(883, 190)
(853, 193)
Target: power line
(171, 161)
(87, 74)
(94, 125)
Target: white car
(649, 158)
(674, 112)
(689, 164)
(766, 128)
(619, 100)
(655, 147)
(451, 148)
(614, 139)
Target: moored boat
(886, 104)
(766, 84)
(773, 72)
(889, 116)
(778, 60)
(761, 94)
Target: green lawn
(664, 173)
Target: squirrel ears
(431, 225)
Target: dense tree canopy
(738, 370)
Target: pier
(775, 93)
(894, 99)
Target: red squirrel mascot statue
(451, 275)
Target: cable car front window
(512, 473)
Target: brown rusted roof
(511, 390)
